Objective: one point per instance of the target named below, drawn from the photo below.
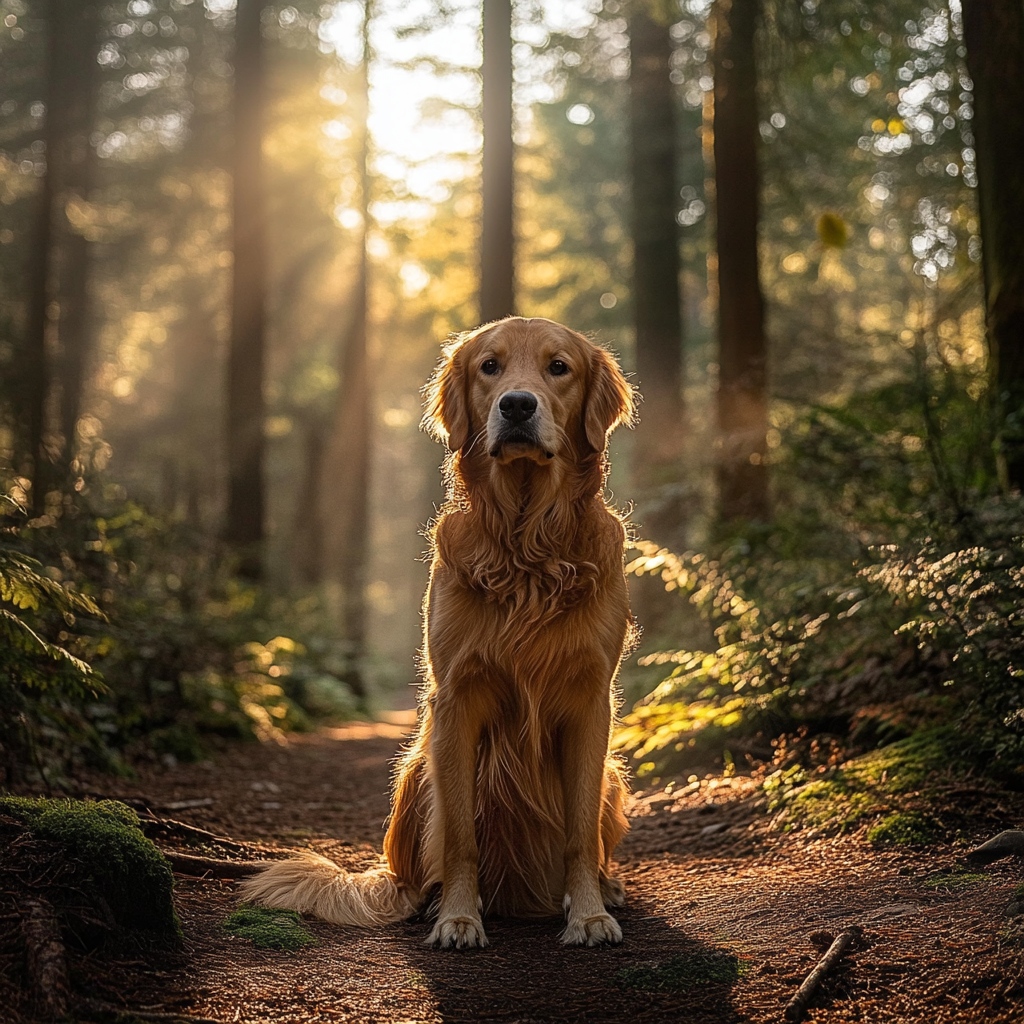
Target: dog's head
(526, 389)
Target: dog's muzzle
(518, 421)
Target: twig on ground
(189, 864)
(796, 1006)
(45, 955)
(151, 823)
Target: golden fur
(507, 798)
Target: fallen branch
(45, 957)
(797, 1005)
(151, 823)
(188, 864)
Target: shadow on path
(659, 973)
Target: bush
(132, 632)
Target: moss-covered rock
(130, 874)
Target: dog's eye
(489, 366)
(557, 368)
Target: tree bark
(742, 389)
(78, 167)
(994, 35)
(244, 528)
(656, 264)
(497, 242)
(349, 465)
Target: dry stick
(180, 827)
(47, 964)
(187, 864)
(797, 1005)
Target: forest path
(716, 927)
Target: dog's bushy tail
(311, 884)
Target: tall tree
(70, 76)
(656, 264)
(244, 527)
(743, 350)
(994, 34)
(77, 166)
(350, 463)
(497, 243)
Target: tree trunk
(497, 243)
(994, 34)
(656, 298)
(349, 466)
(742, 388)
(78, 167)
(35, 372)
(244, 528)
(308, 532)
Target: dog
(508, 800)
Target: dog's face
(526, 388)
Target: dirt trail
(707, 884)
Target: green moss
(129, 872)
(910, 829)
(873, 784)
(269, 929)
(684, 972)
(955, 879)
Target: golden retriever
(508, 798)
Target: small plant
(904, 829)
(684, 972)
(269, 929)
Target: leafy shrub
(175, 645)
(43, 685)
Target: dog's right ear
(446, 410)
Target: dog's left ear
(446, 413)
(610, 399)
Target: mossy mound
(129, 873)
(878, 784)
(684, 972)
(910, 829)
(269, 929)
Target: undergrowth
(128, 633)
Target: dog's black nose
(517, 406)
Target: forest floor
(718, 924)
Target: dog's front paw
(613, 892)
(592, 931)
(458, 932)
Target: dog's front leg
(584, 747)
(453, 747)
